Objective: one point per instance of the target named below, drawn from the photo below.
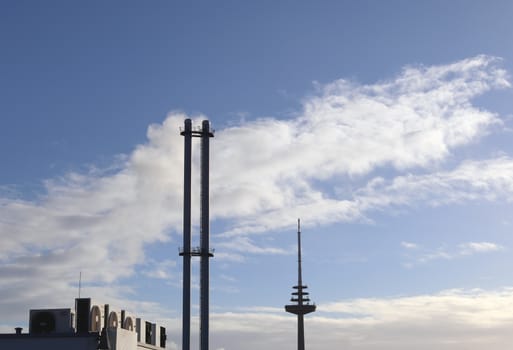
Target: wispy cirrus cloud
(244, 244)
(489, 180)
(418, 254)
(479, 247)
(409, 245)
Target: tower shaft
(300, 332)
(204, 239)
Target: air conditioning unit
(48, 321)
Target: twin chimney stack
(203, 251)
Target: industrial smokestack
(186, 250)
(205, 235)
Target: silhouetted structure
(87, 327)
(302, 304)
(204, 252)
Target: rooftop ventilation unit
(49, 321)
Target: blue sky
(385, 126)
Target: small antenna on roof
(79, 284)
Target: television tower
(302, 304)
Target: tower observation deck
(300, 297)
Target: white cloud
(448, 320)
(409, 245)
(490, 180)
(422, 255)
(452, 319)
(245, 245)
(159, 269)
(263, 171)
(479, 247)
(270, 167)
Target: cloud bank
(448, 320)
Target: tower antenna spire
(299, 272)
(79, 284)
